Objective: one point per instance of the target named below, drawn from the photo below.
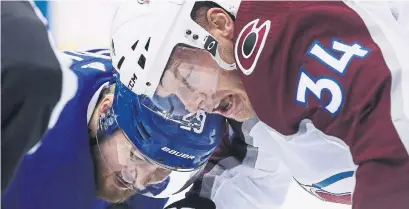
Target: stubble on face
(108, 186)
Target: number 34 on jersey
(307, 84)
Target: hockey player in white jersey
(323, 89)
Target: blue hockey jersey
(59, 171)
(134, 202)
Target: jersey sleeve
(27, 101)
(241, 176)
(355, 69)
(34, 86)
(381, 145)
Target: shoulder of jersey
(96, 59)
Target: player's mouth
(121, 183)
(226, 106)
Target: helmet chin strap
(211, 45)
(222, 63)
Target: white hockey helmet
(145, 32)
(144, 35)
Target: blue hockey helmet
(157, 157)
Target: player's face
(200, 83)
(118, 163)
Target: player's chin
(111, 190)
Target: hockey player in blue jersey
(111, 144)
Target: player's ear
(105, 104)
(220, 23)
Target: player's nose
(200, 102)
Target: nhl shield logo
(250, 43)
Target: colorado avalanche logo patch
(250, 43)
(321, 191)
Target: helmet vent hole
(142, 129)
(134, 45)
(141, 61)
(147, 44)
(138, 133)
(135, 110)
(120, 62)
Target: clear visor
(188, 85)
(133, 170)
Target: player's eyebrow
(185, 78)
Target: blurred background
(85, 24)
(81, 24)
